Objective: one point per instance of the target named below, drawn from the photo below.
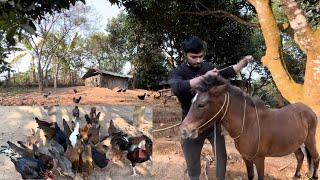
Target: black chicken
(99, 158)
(141, 97)
(46, 95)
(43, 123)
(76, 100)
(66, 128)
(61, 137)
(75, 91)
(31, 168)
(76, 112)
(88, 119)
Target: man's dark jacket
(179, 81)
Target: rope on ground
(170, 127)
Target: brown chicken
(112, 129)
(95, 120)
(86, 162)
(73, 154)
(84, 132)
(93, 112)
(94, 135)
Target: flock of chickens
(75, 149)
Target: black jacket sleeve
(179, 86)
(228, 73)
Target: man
(182, 80)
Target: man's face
(195, 60)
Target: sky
(101, 9)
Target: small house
(100, 78)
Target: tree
(18, 18)
(49, 46)
(307, 39)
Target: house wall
(113, 81)
(93, 81)
(106, 81)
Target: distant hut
(100, 78)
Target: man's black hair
(193, 45)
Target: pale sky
(101, 9)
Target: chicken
(141, 97)
(99, 156)
(120, 141)
(75, 91)
(94, 135)
(86, 162)
(43, 123)
(31, 168)
(84, 132)
(61, 137)
(140, 153)
(56, 147)
(46, 95)
(64, 165)
(88, 119)
(46, 127)
(73, 154)
(49, 132)
(93, 112)
(95, 120)
(74, 135)
(76, 113)
(119, 90)
(112, 129)
(66, 128)
(33, 153)
(23, 152)
(137, 155)
(76, 100)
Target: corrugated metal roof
(94, 71)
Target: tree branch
(222, 14)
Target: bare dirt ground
(168, 162)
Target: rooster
(76, 100)
(138, 154)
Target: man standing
(186, 77)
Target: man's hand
(196, 81)
(213, 72)
(245, 60)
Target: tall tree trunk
(9, 78)
(40, 74)
(55, 84)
